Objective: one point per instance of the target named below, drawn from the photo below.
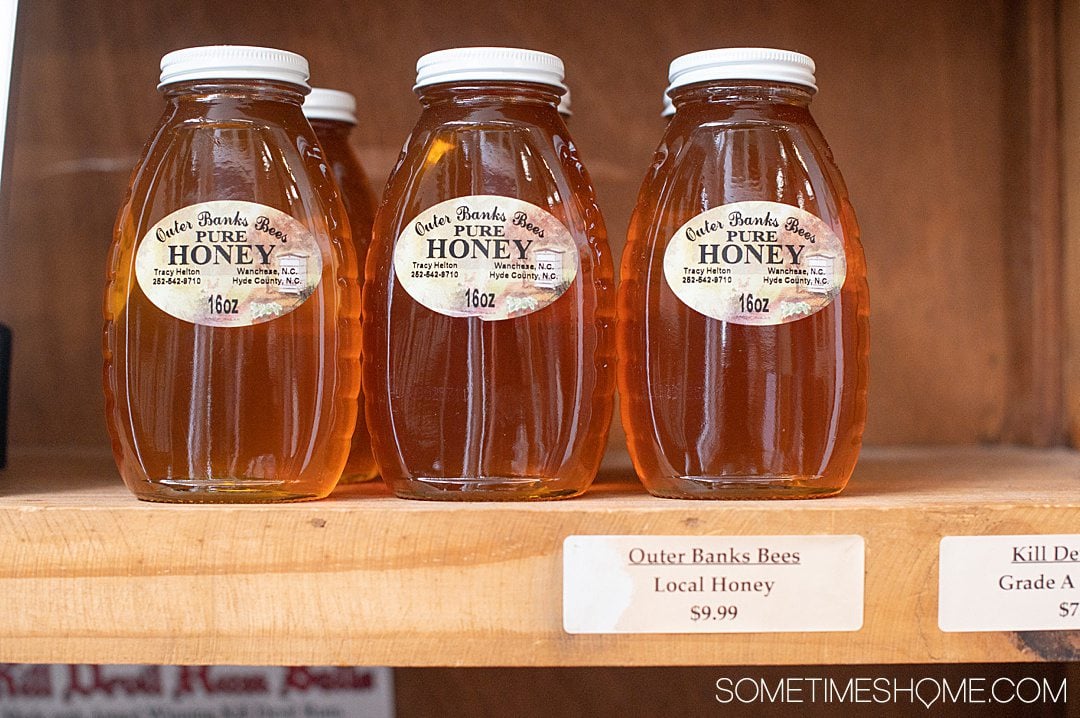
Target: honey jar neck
(742, 93)
(249, 96)
(331, 128)
(475, 95)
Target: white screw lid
(510, 64)
(326, 104)
(233, 62)
(564, 104)
(742, 63)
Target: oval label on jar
(228, 264)
(485, 256)
(756, 263)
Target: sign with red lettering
(75, 691)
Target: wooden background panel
(1032, 226)
(912, 98)
(1069, 37)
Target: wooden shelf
(89, 574)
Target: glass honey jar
(489, 296)
(743, 308)
(231, 339)
(332, 114)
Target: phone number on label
(177, 280)
(706, 280)
(435, 274)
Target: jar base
(744, 488)
(358, 477)
(225, 491)
(485, 488)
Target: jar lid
(326, 104)
(564, 104)
(510, 64)
(742, 63)
(233, 62)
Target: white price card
(712, 584)
(1009, 583)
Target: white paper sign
(1009, 583)
(712, 584)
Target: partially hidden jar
(489, 296)
(743, 309)
(231, 338)
(332, 114)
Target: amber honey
(231, 336)
(723, 400)
(489, 296)
(332, 116)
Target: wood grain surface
(89, 574)
(916, 98)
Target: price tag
(1009, 583)
(712, 584)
